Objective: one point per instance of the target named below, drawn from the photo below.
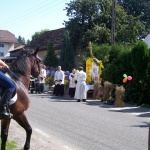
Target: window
(1, 45)
(1, 54)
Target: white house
(7, 42)
(147, 40)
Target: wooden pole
(90, 48)
(113, 22)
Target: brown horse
(26, 64)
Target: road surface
(61, 123)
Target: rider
(9, 88)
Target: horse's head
(27, 63)
(35, 63)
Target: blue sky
(25, 17)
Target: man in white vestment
(81, 85)
(59, 82)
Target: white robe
(81, 85)
(72, 80)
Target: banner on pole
(89, 70)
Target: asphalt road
(90, 125)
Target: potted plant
(49, 82)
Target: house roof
(147, 40)
(6, 36)
(19, 47)
(54, 36)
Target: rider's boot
(4, 111)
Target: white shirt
(59, 75)
(43, 75)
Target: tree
(21, 40)
(139, 90)
(90, 20)
(28, 42)
(36, 34)
(138, 8)
(50, 58)
(67, 54)
(140, 60)
(81, 15)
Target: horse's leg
(4, 132)
(22, 121)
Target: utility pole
(113, 22)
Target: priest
(80, 93)
(59, 82)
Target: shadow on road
(139, 111)
(143, 125)
(129, 108)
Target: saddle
(13, 99)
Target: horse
(25, 65)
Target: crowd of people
(76, 81)
(45, 72)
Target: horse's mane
(19, 65)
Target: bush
(119, 64)
(49, 80)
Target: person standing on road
(59, 78)
(72, 85)
(42, 79)
(81, 85)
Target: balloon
(67, 72)
(125, 80)
(129, 78)
(124, 75)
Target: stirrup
(6, 116)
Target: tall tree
(28, 42)
(50, 58)
(21, 39)
(67, 54)
(138, 8)
(81, 14)
(91, 20)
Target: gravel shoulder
(38, 141)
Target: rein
(16, 77)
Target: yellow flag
(89, 70)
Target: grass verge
(11, 145)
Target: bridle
(37, 62)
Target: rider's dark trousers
(6, 83)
